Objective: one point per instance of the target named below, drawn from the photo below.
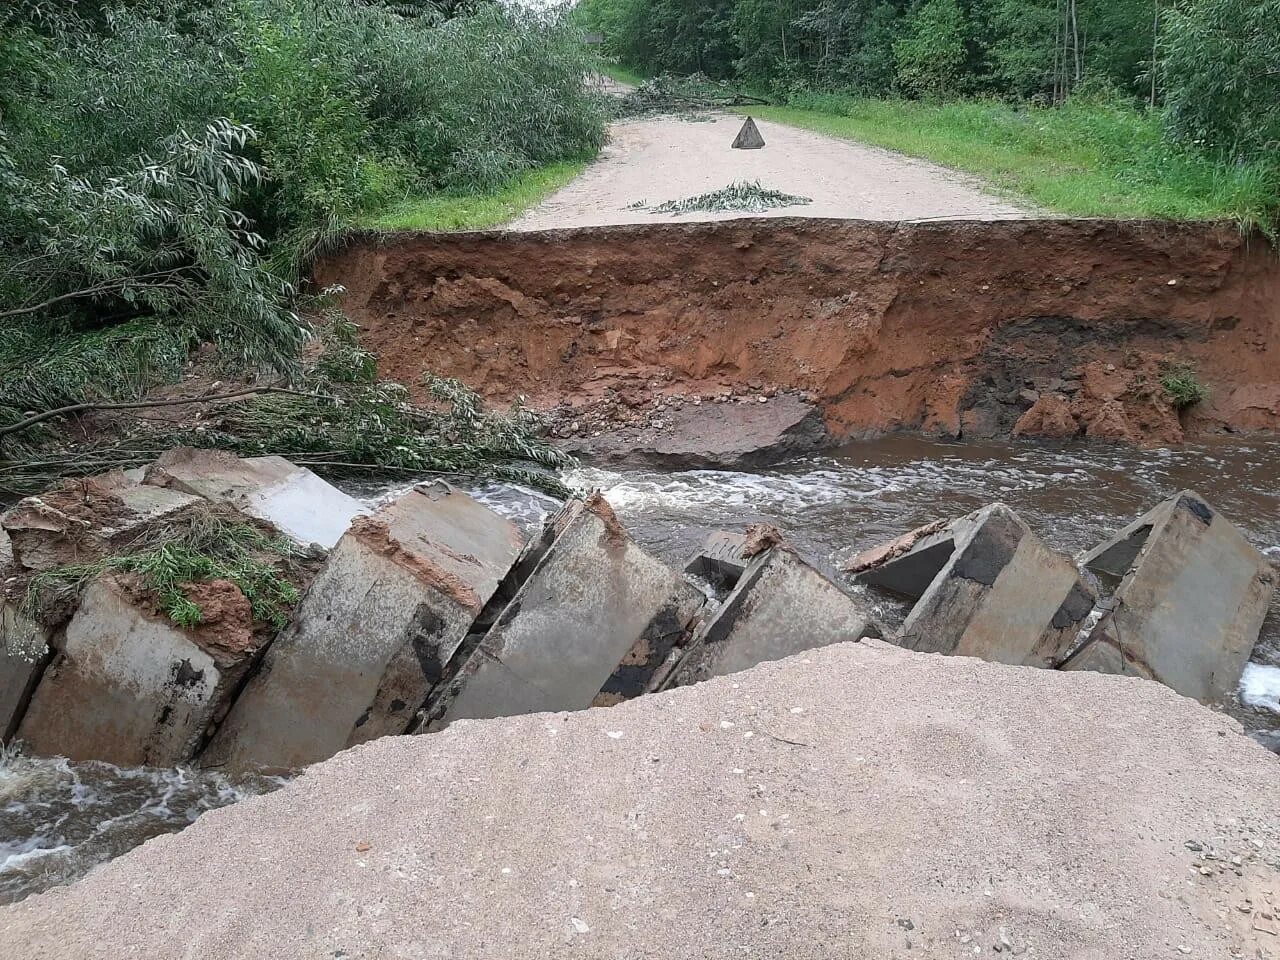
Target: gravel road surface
(858, 801)
(653, 161)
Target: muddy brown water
(59, 819)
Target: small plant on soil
(1182, 386)
(204, 548)
(741, 195)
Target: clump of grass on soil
(1183, 386)
(741, 195)
(206, 546)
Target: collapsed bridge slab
(131, 688)
(985, 586)
(373, 633)
(596, 618)
(291, 498)
(779, 606)
(1190, 596)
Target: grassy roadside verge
(1083, 159)
(622, 75)
(476, 211)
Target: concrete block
(24, 653)
(82, 520)
(129, 687)
(780, 606)
(1190, 597)
(292, 498)
(593, 621)
(375, 631)
(987, 587)
(720, 561)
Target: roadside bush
(1222, 74)
(167, 169)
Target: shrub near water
(169, 169)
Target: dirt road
(652, 161)
(858, 801)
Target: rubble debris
(596, 617)
(374, 632)
(985, 586)
(1190, 596)
(292, 498)
(686, 433)
(720, 561)
(24, 653)
(748, 137)
(780, 606)
(83, 520)
(129, 687)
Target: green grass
(1083, 159)
(623, 75)
(477, 211)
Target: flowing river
(59, 819)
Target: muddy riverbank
(973, 330)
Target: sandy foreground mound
(857, 802)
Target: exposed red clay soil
(956, 329)
(376, 535)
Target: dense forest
(1212, 65)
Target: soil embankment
(973, 329)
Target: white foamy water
(59, 819)
(1260, 687)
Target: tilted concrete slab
(292, 498)
(129, 687)
(720, 561)
(595, 618)
(83, 520)
(780, 606)
(24, 653)
(373, 634)
(991, 589)
(1191, 597)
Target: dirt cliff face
(959, 329)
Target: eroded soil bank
(974, 329)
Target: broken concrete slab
(131, 688)
(374, 632)
(720, 562)
(987, 587)
(595, 618)
(780, 606)
(24, 653)
(1190, 597)
(292, 498)
(82, 520)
